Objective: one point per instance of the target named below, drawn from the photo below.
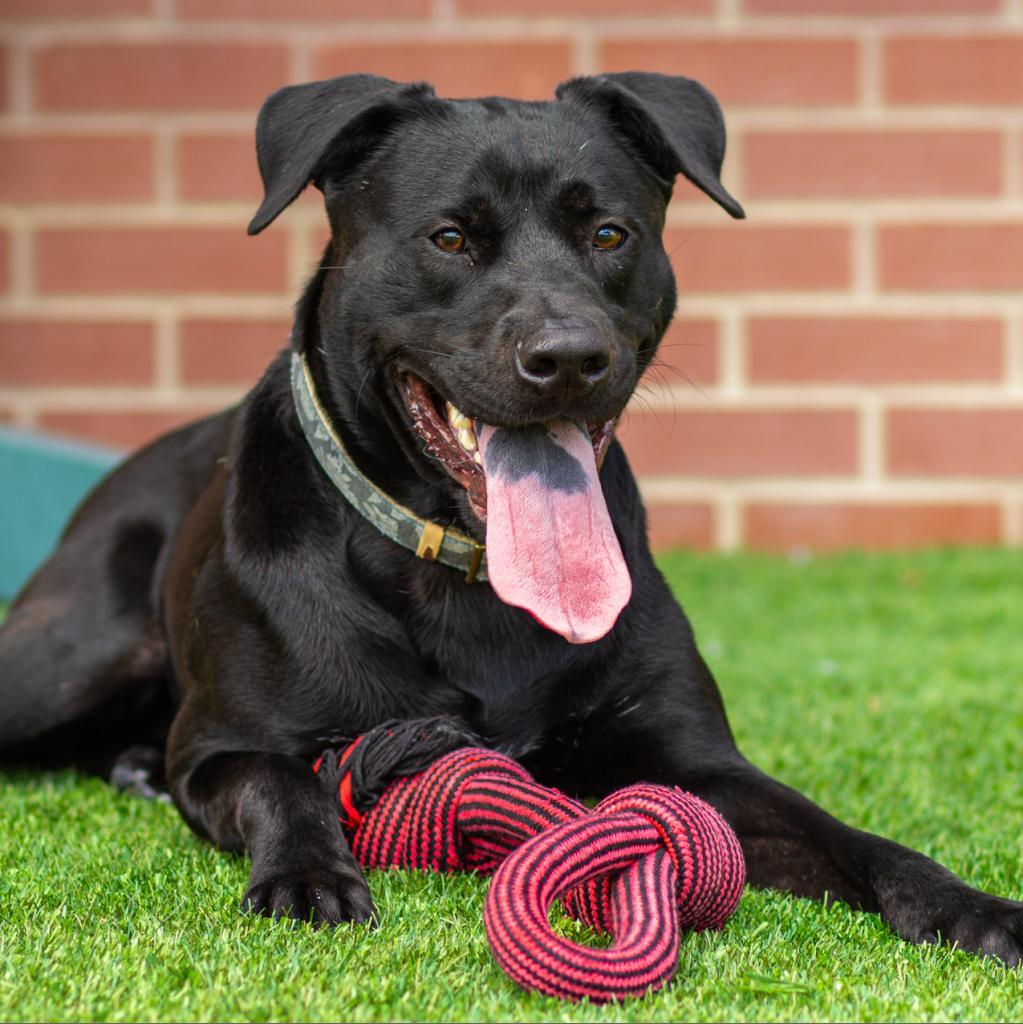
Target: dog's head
(495, 283)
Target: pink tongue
(551, 548)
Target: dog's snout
(565, 356)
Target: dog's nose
(565, 357)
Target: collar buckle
(474, 563)
(430, 540)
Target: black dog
(494, 286)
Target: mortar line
(826, 397)
(728, 523)
(299, 59)
(1014, 351)
(166, 153)
(117, 398)
(443, 12)
(26, 413)
(863, 259)
(666, 490)
(1012, 162)
(585, 51)
(728, 16)
(19, 75)
(871, 441)
(870, 72)
(22, 261)
(732, 353)
(166, 377)
(299, 257)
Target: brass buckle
(474, 565)
(430, 541)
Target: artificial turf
(887, 687)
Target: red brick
(583, 8)
(740, 257)
(829, 527)
(870, 8)
(688, 354)
(229, 351)
(760, 72)
(873, 350)
(3, 77)
(954, 69)
(808, 165)
(955, 442)
(300, 10)
(527, 70)
(49, 168)
(73, 10)
(970, 257)
(5, 259)
(122, 429)
(688, 525)
(218, 167)
(158, 76)
(97, 261)
(741, 442)
(59, 352)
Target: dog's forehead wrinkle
(506, 167)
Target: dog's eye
(609, 236)
(449, 240)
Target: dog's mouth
(551, 547)
(450, 437)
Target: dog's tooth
(467, 439)
(477, 458)
(457, 419)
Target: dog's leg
(83, 656)
(82, 660)
(272, 807)
(793, 845)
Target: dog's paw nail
(322, 899)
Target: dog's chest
(506, 673)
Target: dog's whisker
(692, 231)
(362, 384)
(655, 377)
(689, 380)
(434, 352)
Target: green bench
(42, 480)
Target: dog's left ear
(674, 123)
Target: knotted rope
(645, 863)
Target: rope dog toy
(645, 863)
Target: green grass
(889, 688)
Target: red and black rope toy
(644, 864)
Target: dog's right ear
(303, 128)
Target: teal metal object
(42, 480)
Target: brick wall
(848, 363)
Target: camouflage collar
(429, 540)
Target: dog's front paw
(937, 907)
(316, 896)
(982, 924)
